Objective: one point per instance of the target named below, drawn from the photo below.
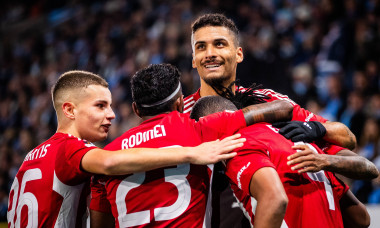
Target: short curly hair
(153, 84)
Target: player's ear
(239, 55)
(193, 61)
(178, 104)
(68, 110)
(135, 109)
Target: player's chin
(101, 137)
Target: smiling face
(93, 113)
(215, 55)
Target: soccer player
(174, 196)
(262, 170)
(52, 184)
(216, 54)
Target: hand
(301, 131)
(215, 151)
(306, 160)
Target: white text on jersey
(139, 137)
(37, 153)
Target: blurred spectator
(353, 115)
(317, 52)
(369, 146)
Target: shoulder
(273, 95)
(189, 102)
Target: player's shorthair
(215, 19)
(76, 79)
(209, 105)
(153, 84)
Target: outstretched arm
(267, 189)
(345, 162)
(268, 112)
(333, 132)
(142, 159)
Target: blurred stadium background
(324, 54)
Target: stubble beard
(217, 81)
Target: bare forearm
(267, 189)
(354, 213)
(339, 134)
(351, 166)
(101, 220)
(134, 160)
(268, 112)
(264, 219)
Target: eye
(200, 46)
(100, 105)
(219, 44)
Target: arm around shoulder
(339, 134)
(270, 112)
(134, 160)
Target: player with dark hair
(261, 177)
(175, 196)
(52, 184)
(216, 54)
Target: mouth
(106, 127)
(212, 66)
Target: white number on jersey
(68, 210)
(176, 176)
(321, 177)
(24, 199)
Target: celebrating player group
(279, 159)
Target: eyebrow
(216, 40)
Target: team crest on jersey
(87, 143)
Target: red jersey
(313, 197)
(50, 189)
(175, 196)
(299, 113)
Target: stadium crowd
(322, 54)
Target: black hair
(241, 97)
(153, 84)
(216, 19)
(210, 104)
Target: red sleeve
(249, 159)
(329, 148)
(99, 201)
(68, 164)
(339, 187)
(299, 113)
(221, 124)
(304, 115)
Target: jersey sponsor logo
(240, 172)
(37, 153)
(136, 139)
(309, 117)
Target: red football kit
(299, 114)
(175, 196)
(50, 189)
(313, 197)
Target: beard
(218, 81)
